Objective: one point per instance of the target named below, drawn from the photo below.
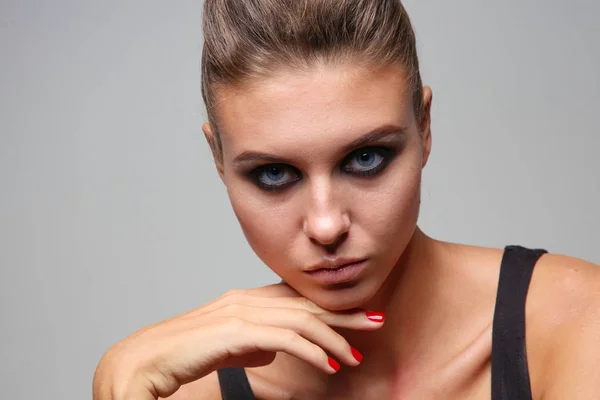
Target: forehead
(323, 105)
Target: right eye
(275, 176)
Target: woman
(320, 129)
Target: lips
(334, 263)
(337, 271)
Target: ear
(214, 148)
(425, 123)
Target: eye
(367, 161)
(275, 176)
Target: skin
(327, 212)
(438, 297)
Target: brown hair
(245, 40)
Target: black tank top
(510, 374)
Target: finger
(302, 322)
(238, 295)
(244, 337)
(358, 319)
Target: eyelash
(386, 153)
(255, 176)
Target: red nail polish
(334, 364)
(375, 316)
(356, 354)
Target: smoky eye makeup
(361, 163)
(274, 176)
(368, 161)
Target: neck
(408, 297)
(408, 276)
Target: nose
(326, 222)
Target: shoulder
(564, 286)
(563, 289)
(563, 328)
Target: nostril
(327, 229)
(333, 246)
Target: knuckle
(305, 318)
(234, 324)
(233, 296)
(232, 309)
(317, 353)
(290, 338)
(342, 340)
(233, 293)
(307, 304)
(320, 353)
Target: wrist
(119, 379)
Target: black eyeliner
(387, 153)
(254, 174)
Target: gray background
(112, 216)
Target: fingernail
(375, 316)
(356, 354)
(334, 364)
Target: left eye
(364, 160)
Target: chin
(341, 297)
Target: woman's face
(322, 168)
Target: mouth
(335, 263)
(337, 271)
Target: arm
(573, 367)
(242, 328)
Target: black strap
(510, 373)
(234, 384)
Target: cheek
(389, 215)
(268, 226)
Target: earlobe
(214, 148)
(425, 123)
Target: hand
(241, 328)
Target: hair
(247, 40)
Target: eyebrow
(377, 134)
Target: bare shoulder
(563, 328)
(206, 388)
(562, 289)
